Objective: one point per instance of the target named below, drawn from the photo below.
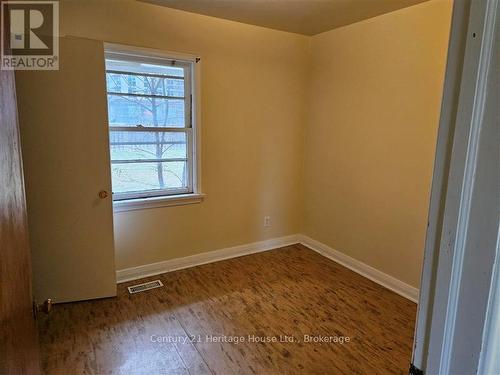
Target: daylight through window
(150, 125)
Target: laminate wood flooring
(248, 315)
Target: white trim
(152, 269)
(153, 52)
(357, 266)
(468, 183)
(196, 124)
(155, 202)
(449, 104)
(489, 362)
(458, 290)
(381, 278)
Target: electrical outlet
(267, 221)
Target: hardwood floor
(291, 291)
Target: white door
(63, 120)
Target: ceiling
(308, 17)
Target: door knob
(103, 194)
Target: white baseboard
(397, 286)
(361, 268)
(152, 269)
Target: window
(151, 125)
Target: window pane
(133, 84)
(150, 92)
(149, 176)
(147, 145)
(133, 111)
(136, 67)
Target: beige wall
(332, 136)
(375, 97)
(253, 112)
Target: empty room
(249, 187)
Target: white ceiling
(308, 17)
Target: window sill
(155, 202)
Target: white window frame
(167, 197)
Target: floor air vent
(145, 286)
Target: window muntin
(149, 115)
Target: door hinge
(45, 307)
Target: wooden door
(18, 336)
